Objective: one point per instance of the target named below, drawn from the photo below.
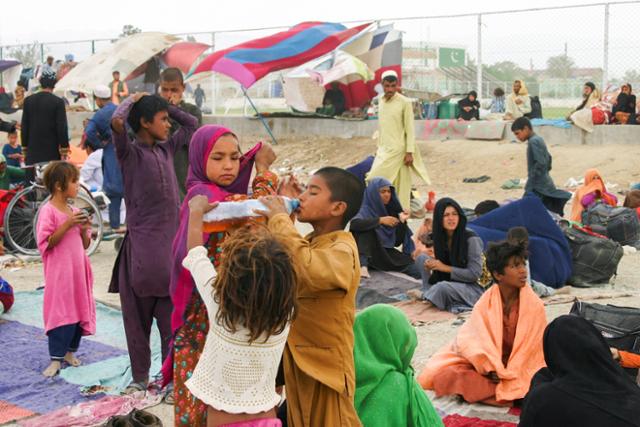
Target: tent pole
(264, 123)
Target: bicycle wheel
(20, 219)
(85, 201)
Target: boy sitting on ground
(318, 358)
(499, 349)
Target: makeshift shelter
(379, 48)
(248, 62)
(10, 73)
(305, 86)
(125, 55)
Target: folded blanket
(479, 343)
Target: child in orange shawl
(499, 349)
(592, 191)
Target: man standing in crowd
(397, 158)
(119, 89)
(172, 89)
(44, 125)
(98, 133)
(200, 96)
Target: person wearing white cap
(98, 133)
(398, 157)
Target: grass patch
(555, 112)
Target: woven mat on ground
(384, 287)
(457, 413)
(105, 368)
(419, 314)
(569, 298)
(9, 412)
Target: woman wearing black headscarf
(624, 109)
(450, 280)
(582, 386)
(469, 107)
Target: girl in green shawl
(387, 393)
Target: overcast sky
(529, 40)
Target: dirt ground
(448, 163)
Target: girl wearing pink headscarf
(218, 170)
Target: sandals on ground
(135, 387)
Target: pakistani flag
(448, 57)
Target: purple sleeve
(121, 140)
(188, 125)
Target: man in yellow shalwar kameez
(397, 158)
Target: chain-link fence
(554, 50)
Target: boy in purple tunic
(142, 269)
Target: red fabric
(5, 198)
(6, 300)
(598, 116)
(182, 55)
(259, 70)
(9, 412)
(456, 420)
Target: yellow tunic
(397, 137)
(318, 358)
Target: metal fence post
(479, 65)
(93, 47)
(42, 52)
(605, 64)
(214, 86)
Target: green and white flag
(449, 57)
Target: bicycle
(21, 215)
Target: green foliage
(29, 54)
(560, 66)
(129, 30)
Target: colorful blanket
(25, 392)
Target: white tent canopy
(304, 86)
(125, 56)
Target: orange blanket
(479, 343)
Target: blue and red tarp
(250, 61)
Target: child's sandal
(134, 388)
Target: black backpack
(595, 259)
(619, 326)
(619, 224)
(536, 108)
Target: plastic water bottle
(232, 214)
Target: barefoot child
(63, 234)
(142, 269)
(250, 303)
(318, 359)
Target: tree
(506, 71)
(29, 54)
(129, 30)
(190, 38)
(631, 76)
(560, 66)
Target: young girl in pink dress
(63, 234)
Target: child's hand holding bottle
(199, 205)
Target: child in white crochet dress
(250, 303)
